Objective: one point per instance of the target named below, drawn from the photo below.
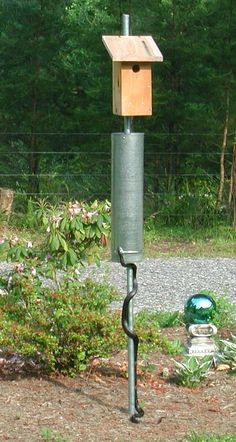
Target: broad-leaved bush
(60, 329)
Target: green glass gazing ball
(199, 309)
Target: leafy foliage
(228, 352)
(192, 371)
(59, 330)
(75, 231)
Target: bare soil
(93, 406)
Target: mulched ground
(93, 407)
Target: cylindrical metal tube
(127, 196)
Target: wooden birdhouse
(132, 75)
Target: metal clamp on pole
(134, 408)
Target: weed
(49, 435)
(175, 347)
(169, 319)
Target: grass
(211, 438)
(218, 241)
(49, 435)
(193, 437)
(162, 319)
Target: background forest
(55, 104)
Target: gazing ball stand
(199, 311)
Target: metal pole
(130, 278)
(126, 32)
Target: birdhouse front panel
(132, 88)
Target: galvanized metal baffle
(127, 212)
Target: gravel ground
(165, 283)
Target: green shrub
(63, 328)
(60, 330)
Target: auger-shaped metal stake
(127, 323)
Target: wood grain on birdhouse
(132, 75)
(132, 89)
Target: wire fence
(78, 165)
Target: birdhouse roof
(132, 48)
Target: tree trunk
(234, 191)
(223, 149)
(6, 200)
(232, 197)
(232, 170)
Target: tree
(34, 89)
(56, 78)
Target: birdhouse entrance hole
(136, 68)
